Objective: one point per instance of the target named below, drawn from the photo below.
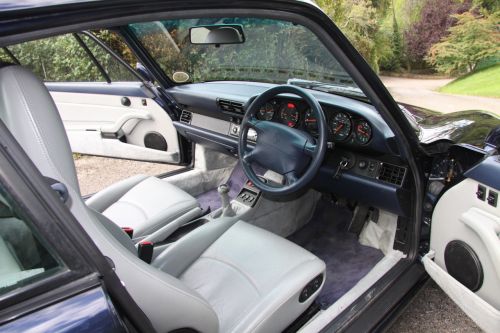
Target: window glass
(273, 51)
(4, 57)
(24, 256)
(58, 59)
(63, 59)
(115, 70)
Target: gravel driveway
(432, 310)
(423, 93)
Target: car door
(464, 254)
(106, 109)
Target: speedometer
(289, 115)
(341, 126)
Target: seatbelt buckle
(145, 251)
(129, 231)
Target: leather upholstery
(255, 287)
(228, 275)
(143, 203)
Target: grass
(485, 82)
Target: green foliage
(358, 20)
(62, 58)
(473, 39)
(274, 51)
(57, 59)
(483, 82)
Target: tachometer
(266, 112)
(289, 115)
(363, 132)
(311, 122)
(341, 126)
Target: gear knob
(223, 189)
(227, 210)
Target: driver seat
(226, 276)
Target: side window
(24, 256)
(115, 70)
(65, 59)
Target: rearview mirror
(217, 34)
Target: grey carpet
(346, 260)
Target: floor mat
(346, 260)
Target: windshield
(273, 51)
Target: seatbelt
(145, 251)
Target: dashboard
(343, 125)
(362, 161)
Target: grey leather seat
(226, 276)
(150, 206)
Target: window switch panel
(493, 198)
(481, 192)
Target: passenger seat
(146, 204)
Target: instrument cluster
(343, 126)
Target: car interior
(295, 202)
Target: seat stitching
(236, 268)
(37, 130)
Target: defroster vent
(186, 117)
(392, 174)
(230, 106)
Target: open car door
(105, 106)
(464, 255)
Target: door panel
(131, 126)
(465, 246)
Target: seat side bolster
(179, 256)
(106, 197)
(279, 307)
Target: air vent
(231, 106)
(392, 174)
(186, 117)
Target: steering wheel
(293, 153)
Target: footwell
(346, 260)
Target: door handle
(110, 130)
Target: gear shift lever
(227, 210)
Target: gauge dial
(363, 132)
(341, 126)
(266, 112)
(311, 122)
(289, 115)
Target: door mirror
(217, 34)
(492, 141)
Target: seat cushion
(253, 278)
(149, 205)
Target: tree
(357, 19)
(397, 46)
(436, 18)
(474, 38)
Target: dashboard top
(352, 123)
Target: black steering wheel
(290, 152)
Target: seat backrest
(29, 112)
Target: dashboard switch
(481, 192)
(493, 198)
